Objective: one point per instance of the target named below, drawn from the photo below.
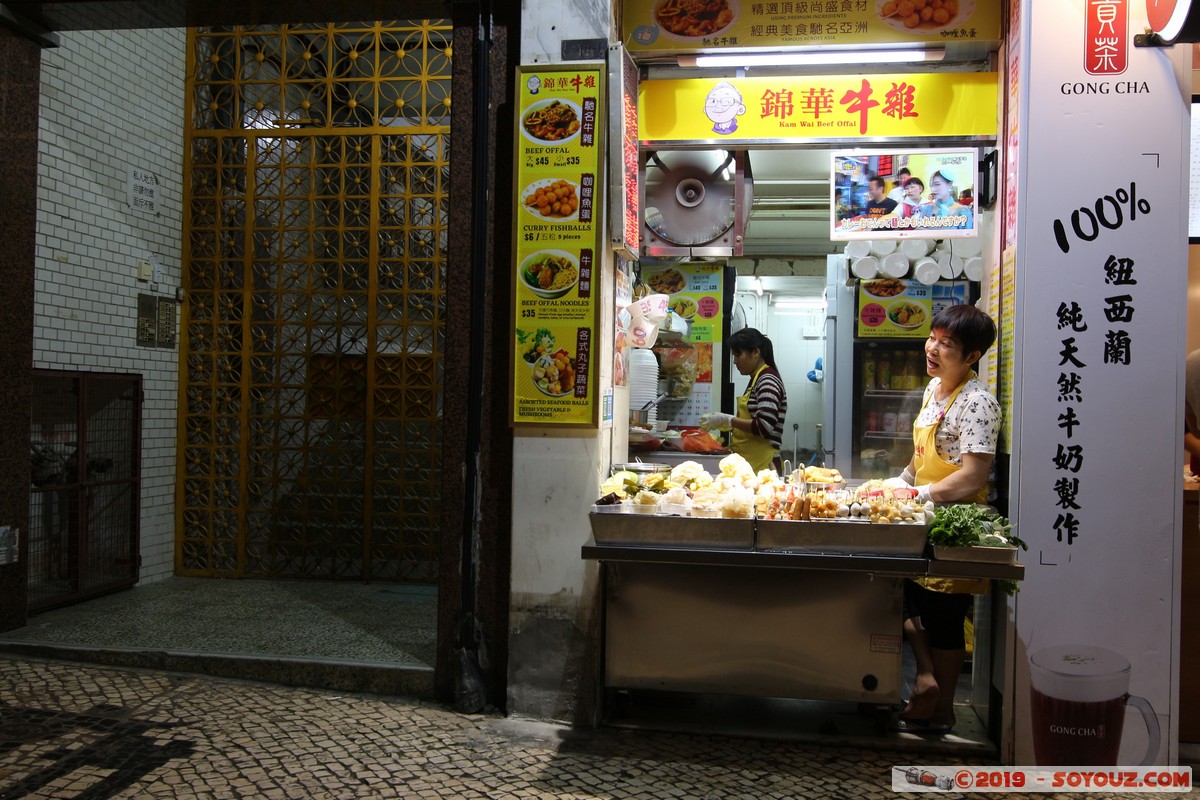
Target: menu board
(717, 25)
(895, 308)
(696, 292)
(559, 144)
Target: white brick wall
(113, 100)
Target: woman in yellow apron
(954, 445)
(758, 424)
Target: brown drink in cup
(1078, 695)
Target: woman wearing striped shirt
(758, 424)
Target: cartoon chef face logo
(723, 106)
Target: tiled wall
(112, 101)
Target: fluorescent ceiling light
(816, 58)
(811, 305)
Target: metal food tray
(844, 537)
(977, 554)
(668, 531)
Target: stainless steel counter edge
(908, 567)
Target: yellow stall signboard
(557, 254)
(779, 109)
(731, 25)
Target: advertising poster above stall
(733, 25)
(885, 194)
(559, 144)
(896, 308)
(777, 109)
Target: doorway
(85, 481)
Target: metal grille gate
(83, 514)
(315, 299)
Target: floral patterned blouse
(972, 424)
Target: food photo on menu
(552, 368)
(555, 199)
(550, 274)
(551, 121)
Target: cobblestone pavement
(72, 731)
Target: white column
(1101, 284)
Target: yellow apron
(750, 446)
(932, 468)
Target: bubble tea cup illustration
(1078, 695)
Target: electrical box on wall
(145, 270)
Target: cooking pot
(641, 468)
(640, 417)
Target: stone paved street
(72, 731)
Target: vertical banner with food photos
(696, 292)
(559, 146)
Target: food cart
(772, 608)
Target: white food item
(690, 474)
(737, 502)
(645, 498)
(677, 496)
(735, 466)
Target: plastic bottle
(883, 374)
(869, 372)
(916, 367)
(899, 371)
(902, 375)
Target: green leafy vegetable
(970, 525)
(539, 343)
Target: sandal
(920, 727)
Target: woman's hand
(716, 421)
(965, 482)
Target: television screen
(889, 194)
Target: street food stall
(712, 598)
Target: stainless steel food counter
(777, 609)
